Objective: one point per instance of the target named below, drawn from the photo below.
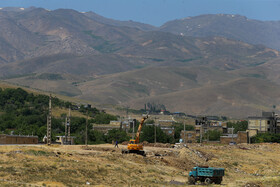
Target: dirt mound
(99, 148)
(145, 143)
(125, 143)
(167, 145)
(180, 163)
(253, 184)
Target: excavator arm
(137, 137)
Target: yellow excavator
(133, 146)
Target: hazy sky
(157, 12)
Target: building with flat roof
(268, 122)
(188, 136)
(65, 141)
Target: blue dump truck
(206, 174)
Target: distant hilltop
(209, 64)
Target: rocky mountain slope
(110, 62)
(235, 27)
(130, 23)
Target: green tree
(26, 114)
(150, 121)
(266, 137)
(117, 134)
(214, 135)
(148, 134)
(178, 127)
(96, 137)
(238, 126)
(78, 124)
(103, 118)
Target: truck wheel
(202, 179)
(191, 180)
(208, 181)
(218, 181)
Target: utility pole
(49, 122)
(65, 140)
(200, 133)
(127, 112)
(67, 128)
(86, 128)
(184, 132)
(207, 132)
(155, 130)
(232, 133)
(69, 125)
(133, 125)
(88, 107)
(155, 134)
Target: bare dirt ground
(104, 165)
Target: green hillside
(23, 113)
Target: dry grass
(41, 165)
(57, 112)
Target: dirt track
(105, 165)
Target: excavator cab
(133, 146)
(131, 141)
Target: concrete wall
(169, 131)
(14, 139)
(165, 122)
(217, 128)
(242, 137)
(106, 127)
(117, 123)
(190, 136)
(252, 132)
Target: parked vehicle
(206, 174)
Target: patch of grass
(272, 181)
(188, 59)
(102, 170)
(256, 64)
(156, 59)
(235, 163)
(10, 170)
(50, 76)
(92, 35)
(102, 44)
(38, 153)
(70, 94)
(19, 76)
(105, 47)
(255, 75)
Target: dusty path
(41, 165)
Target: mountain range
(205, 65)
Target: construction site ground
(104, 165)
